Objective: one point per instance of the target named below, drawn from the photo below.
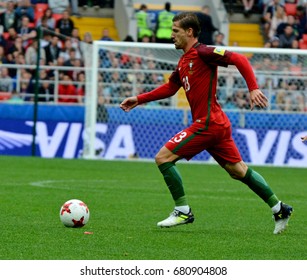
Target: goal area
(116, 70)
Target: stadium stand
(95, 26)
(290, 8)
(303, 42)
(244, 31)
(245, 35)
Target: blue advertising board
(262, 138)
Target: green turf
(126, 199)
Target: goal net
(121, 69)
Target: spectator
(58, 6)
(31, 53)
(67, 91)
(10, 39)
(48, 16)
(248, 6)
(102, 112)
(75, 35)
(288, 39)
(6, 82)
(268, 14)
(128, 38)
(219, 39)
(206, 26)
(17, 46)
(65, 25)
(75, 41)
(106, 35)
(241, 99)
(24, 8)
(66, 50)
(47, 32)
(52, 51)
(8, 18)
(88, 38)
(74, 4)
(81, 87)
(274, 42)
(301, 19)
(85, 43)
(26, 32)
(3, 59)
(164, 25)
(143, 24)
(3, 4)
(46, 88)
(70, 62)
(279, 17)
(26, 86)
(93, 3)
(290, 20)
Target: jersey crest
(191, 66)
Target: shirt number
(186, 83)
(179, 137)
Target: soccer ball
(74, 213)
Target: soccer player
(196, 72)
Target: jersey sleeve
(220, 57)
(214, 55)
(163, 91)
(245, 68)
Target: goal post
(117, 70)
(90, 113)
(134, 50)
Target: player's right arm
(163, 91)
(129, 103)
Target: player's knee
(236, 175)
(165, 155)
(159, 159)
(236, 171)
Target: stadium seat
(57, 16)
(5, 35)
(41, 8)
(297, 70)
(290, 9)
(302, 44)
(4, 95)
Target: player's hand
(257, 98)
(129, 103)
(304, 138)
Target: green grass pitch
(126, 200)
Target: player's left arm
(257, 97)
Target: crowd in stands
(61, 46)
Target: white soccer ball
(74, 213)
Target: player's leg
(227, 155)
(253, 180)
(281, 211)
(182, 214)
(185, 144)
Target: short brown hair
(188, 20)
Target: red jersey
(196, 72)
